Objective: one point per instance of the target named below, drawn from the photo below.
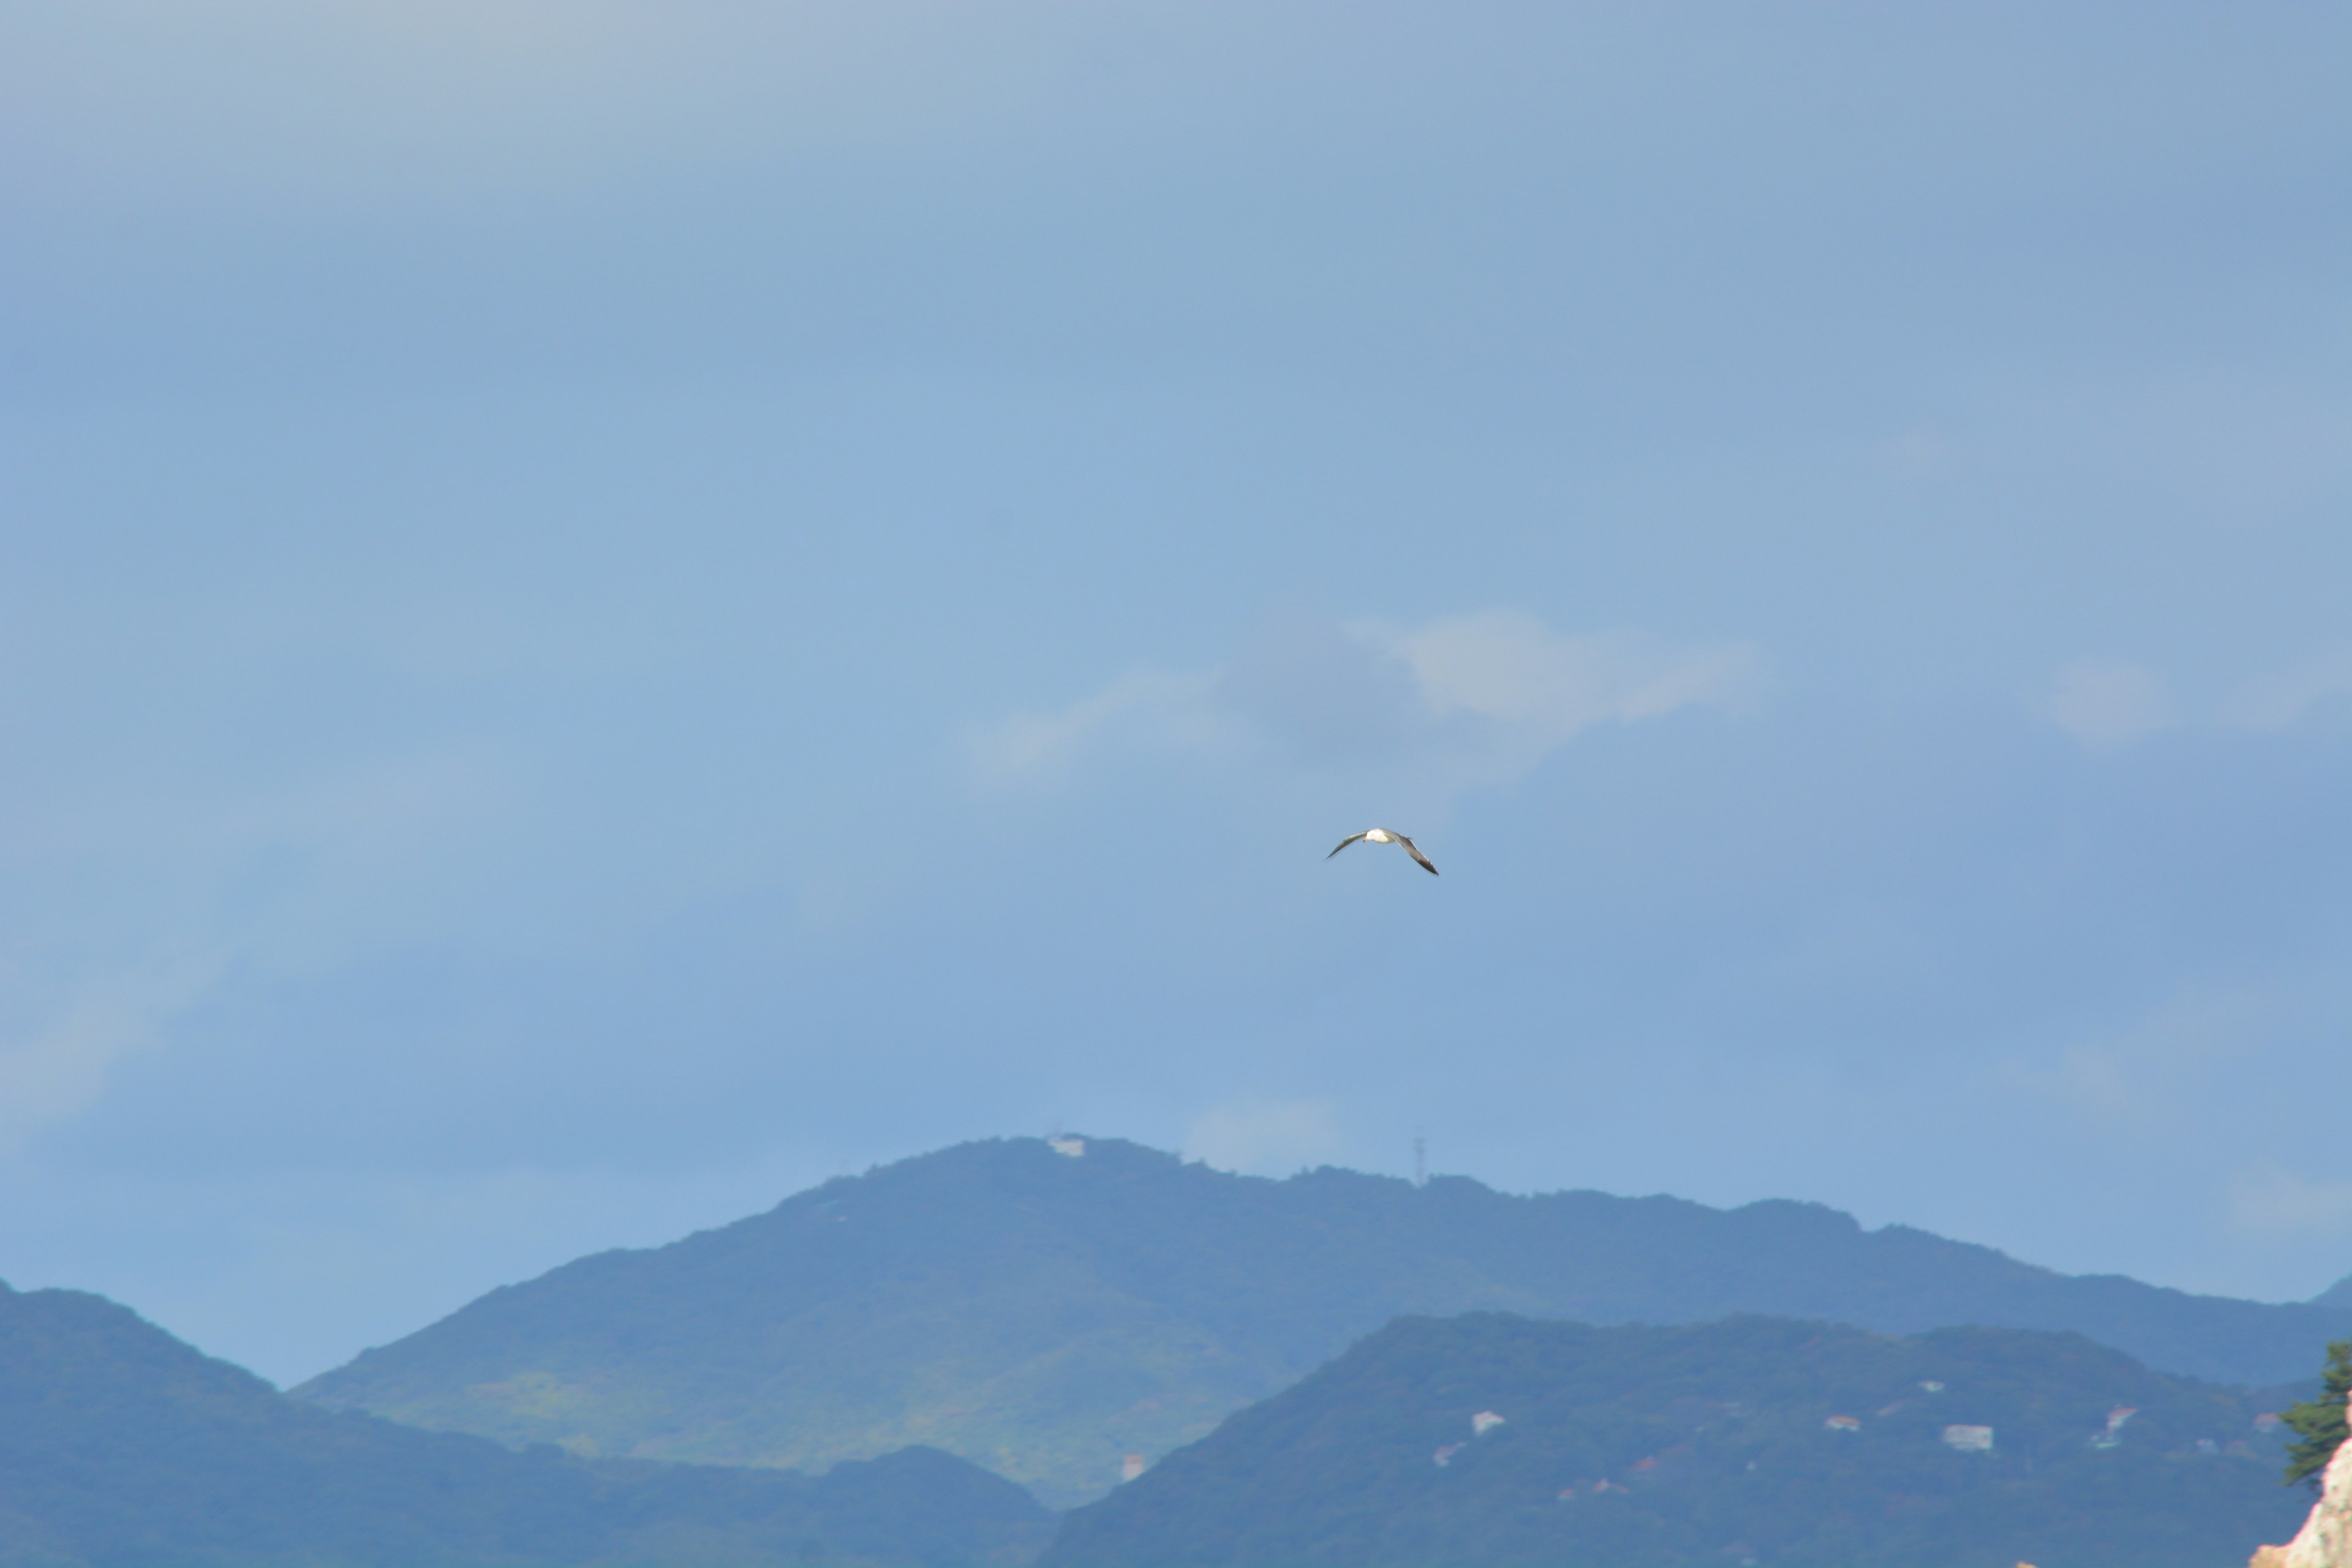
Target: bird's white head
(1381, 836)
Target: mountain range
(1047, 1308)
(122, 1448)
(1490, 1441)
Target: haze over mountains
(1044, 1313)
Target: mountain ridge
(1489, 1441)
(1044, 1313)
(123, 1448)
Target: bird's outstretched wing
(1410, 848)
(1351, 838)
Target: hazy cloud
(2110, 702)
(1263, 1138)
(2105, 702)
(60, 1068)
(1462, 699)
(2277, 700)
(1167, 708)
(2148, 1074)
(2271, 1200)
(441, 102)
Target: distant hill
(121, 1448)
(1750, 1440)
(1043, 1315)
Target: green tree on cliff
(2320, 1422)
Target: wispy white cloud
(2109, 703)
(61, 1067)
(1511, 670)
(1263, 1138)
(1464, 699)
(2283, 697)
(2105, 702)
(276, 877)
(1158, 707)
(2147, 1074)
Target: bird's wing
(1345, 842)
(1414, 850)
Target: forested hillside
(121, 1448)
(1490, 1441)
(1045, 1313)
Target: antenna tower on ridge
(1420, 1161)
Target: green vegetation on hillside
(121, 1448)
(2318, 1423)
(1749, 1440)
(1044, 1315)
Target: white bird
(1382, 836)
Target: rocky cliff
(2326, 1539)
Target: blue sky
(607, 611)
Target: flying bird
(1382, 836)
